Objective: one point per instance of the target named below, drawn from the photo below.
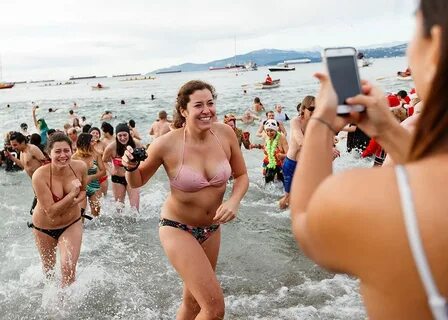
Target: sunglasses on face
(311, 108)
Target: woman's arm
(35, 118)
(227, 210)
(144, 171)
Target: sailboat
(4, 85)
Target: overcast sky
(55, 39)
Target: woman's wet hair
(257, 100)
(58, 137)
(431, 134)
(132, 123)
(183, 97)
(83, 144)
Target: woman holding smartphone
(194, 210)
(391, 232)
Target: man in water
(160, 126)
(31, 157)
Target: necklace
(271, 146)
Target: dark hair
(183, 97)
(58, 137)
(402, 94)
(23, 126)
(76, 123)
(83, 143)
(50, 132)
(162, 115)
(94, 129)
(70, 111)
(121, 147)
(107, 127)
(86, 128)
(431, 133)
(20, 138)
(257, 100)
(35, 139)
(132, 123)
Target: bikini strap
(436, 302)
(182, 155)
(219, 141)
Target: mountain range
(266, 57)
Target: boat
(364, 62)
(263, 85)
(126, 75)
(6, 85)
(227, 67)
(297, 61)
(86, 77)
(138, 78)
(99, 86)
(404, 78)
(250, 66)
(282, 67)
(168, 71)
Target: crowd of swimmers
(339, 221)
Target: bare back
(366, 237)
(296, 139)
(159, 128)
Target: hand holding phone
(343, 71)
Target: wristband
(325, 123)
(132, 170)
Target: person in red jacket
(268, 79)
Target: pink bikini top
(189, 180)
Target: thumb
(323, 78)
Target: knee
(214, 309)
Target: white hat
(271, 124)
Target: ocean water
(122, 271)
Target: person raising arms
(391, 231)
(191, 216)
(59, 187)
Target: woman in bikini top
(59, 188)
(199, 157)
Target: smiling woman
(191, 216)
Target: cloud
(39, 38)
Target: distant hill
(265, 57)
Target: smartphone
(342, 67)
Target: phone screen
(344, 77)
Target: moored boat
(6, 85)
(283, 67)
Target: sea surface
(123, 272)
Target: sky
(56, 39)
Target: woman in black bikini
(113, 153)
(59, 188)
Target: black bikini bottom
(120, 180)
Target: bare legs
(202, 294)
(69, 245)
(120, 190)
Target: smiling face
(123, 137)
(61, 153)
(271, 133)
(200, 110)
(17, 146)
(95, 135)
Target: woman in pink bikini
(199, 158)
